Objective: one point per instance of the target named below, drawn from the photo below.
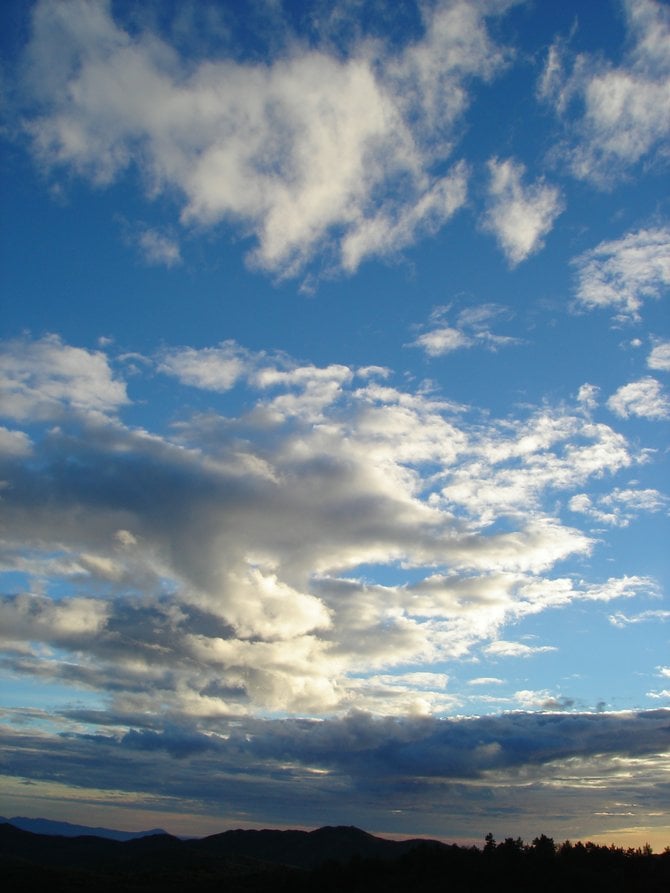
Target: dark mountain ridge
(295, 849)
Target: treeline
(542, 866)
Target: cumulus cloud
(588, 396)
(644, 398)
(625, 108)
(472, 329)
(624, 272)
(42, 619)
(42, 379)
(212, 368)
(221, 569)
(296, 153)
(159, 249)
(519, 216)
(14, 443)
(659, 358)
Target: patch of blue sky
(38, 698)
(14, 581)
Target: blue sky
(335, 416)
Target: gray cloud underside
(229, 565)
(451, 775)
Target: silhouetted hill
(303, 849)
(87, 851)
(296, 849)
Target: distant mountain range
(66, 829)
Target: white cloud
(392, 229)
(529, 699)
(621, 620)
(472, 329)
(212, 368)
(294, 151)
(159, 249)
(404, 694)
(643, 398)
(501, 648)
(227, 568)
(47, 620)
(519, 216)
(621, 506)
(14, 443)
(509, 466)
(40, 379)
(588, 396)
(622, 273)
(442, 340)
(626, 108)
(659, 358)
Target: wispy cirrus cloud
(621, 620)
(297, 153)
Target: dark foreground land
(327, 860)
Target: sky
(335, 404)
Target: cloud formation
(556, 768)
(158, 249)
(519, 216)
(622, 273)
(621, 506)
(313, 152)
(472, 329)
(643, 398)
(624, 109)
(43, 379)
(659, 358)
(219, 568)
